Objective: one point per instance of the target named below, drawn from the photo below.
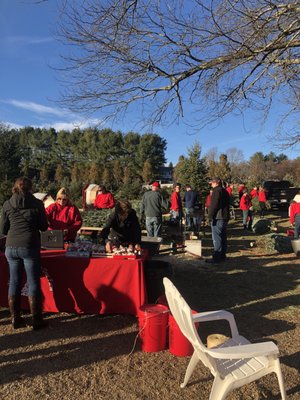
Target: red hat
(156, 184)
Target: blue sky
(29, 88)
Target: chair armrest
(245, 351)
(218, 315)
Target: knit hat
(156, 184)
(62, 192)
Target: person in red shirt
(262, 199)
(254, 192)
(207, 204)
(104, 199)
(63, 215)
(240, 190)
(229, 189)
(176, 204)
(208, 199)
(246, 207)
(295, 215)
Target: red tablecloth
(83, 285)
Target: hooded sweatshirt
(64, 217)
(22, 219)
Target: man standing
(176, 205)
(151, 206)
(218, 214)
(191, 201)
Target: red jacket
(176, 203)
(64, 217)
(253, 193)
(245, 202)
(104, 200)
(294, 210)
(229, 190)
(241, 188)
(207, 200)
(262, 196)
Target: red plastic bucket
(179, 345)
(153, 322)
(162, 300)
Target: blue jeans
(262, 206)
(219, 237)
(189, 218)
(246, 214)
(17, 258)
(153, 226)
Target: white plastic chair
(233, 363)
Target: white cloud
(27, 40)
(12, 125)
(66, 126)
(38, 108)
(42, 114)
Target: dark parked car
(280, 193)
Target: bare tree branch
(161, 57)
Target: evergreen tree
(147, 172)
(117, 173)
(151, 147)
(75, 173)
(44, 176)
(192, 170)
(10, 156)
(59, 174)
(94, 173)
(106, 177)
(197, 170)
(212, 168)
(181, 173)
(223, 169)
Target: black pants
(262, 206)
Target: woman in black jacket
(23, 217)
(123, 226)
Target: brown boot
(14, 303)
(36, 312)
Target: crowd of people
(24, 216)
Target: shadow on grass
(77, 348)
(249, 289)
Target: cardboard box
(194, 247)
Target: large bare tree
(164, 57)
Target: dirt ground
(99, 357)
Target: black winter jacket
(124, 232)
(22, 219)
(219, 205)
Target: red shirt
(176, 203)
(104, 200)
(229, 190)
(262, 196)
(64, 217)
(208, 200)
(294, 210)
(241, 188)
(253, 193)
(245, 202)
